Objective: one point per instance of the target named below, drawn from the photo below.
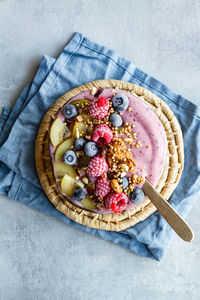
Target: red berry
(102, 134)
(99, 108)
(102, 102)
(97, 166)
(102, 187)
(116, 202)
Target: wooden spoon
(167, 211)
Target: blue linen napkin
(82, 61)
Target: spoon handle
(167, 211)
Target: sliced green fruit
(60, 169)
(86, 116)
(63, 147)
(79, 129)
(69, 184)
(81, 101)
(58, 132)
(88, 203)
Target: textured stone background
(42, 258)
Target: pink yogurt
(150, 158)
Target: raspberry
(116, 202)
(102, 187)
(97, 166)
(99, 108)
(102, 134)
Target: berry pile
(92, 128)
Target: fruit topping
(102, 134)
(70, 157)
(97, 166)
(69, 184)
(58, 132)
(95, 139)
(80, 129)
(102, 187)
(60, 169)
(116, 186)
(116, 202)
(79, 143)
(88, 203)
(116, 120)
(136, 196)
(125, 182)
(79, 194)
(120, 102)
(99, 108)
(69, 111)
(91, 149)
(62, 148)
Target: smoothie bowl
(98, 143)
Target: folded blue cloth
(82, 61)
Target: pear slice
(69, 184)
(81, 101)
(60, 169)
(63, 147)
(58, 132)
(88, 203)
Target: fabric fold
(82, 61)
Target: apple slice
(88, 203)
(69, 184)
(63, 147)
(81, 101)
(58, 132)
(60, 169)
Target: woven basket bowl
(169, 179)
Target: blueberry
(120, 102)
(116, 120)
(78, 194)
(69, 111)
(79, 143)
(70, 158)
(91, 149)
(137, 196)
(125, 183)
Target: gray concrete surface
(41, 258)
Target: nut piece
(91, 188)
(79, 118)
(93, 91)
(85, 180)
(124, 167)
(115, 186)
(77, 133)
(123, 174)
